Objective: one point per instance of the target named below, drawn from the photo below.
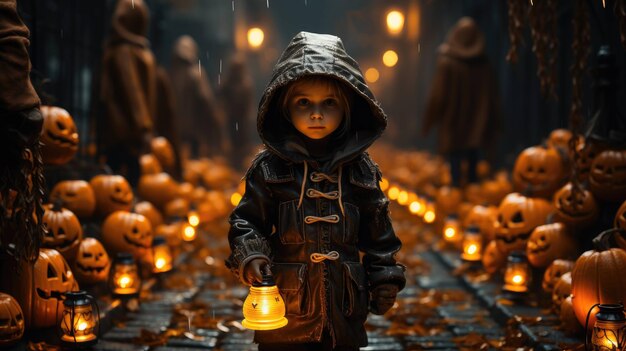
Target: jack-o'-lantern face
(484, 218)
(128, 232)
(549, 242)
(554, 271)
(517, 217)
(92, 262)
(620, 217)
(77, 196)
(539, 170)
(562, 289)
(59, 136)
(577, 208)
(587, 152)
(163, 151)
(11, 320)
(493, 259)
(52, 278)
(63, 230)
(113, 193)
(607, 177)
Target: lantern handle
(266, 269)
(587, 323)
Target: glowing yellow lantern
(193, 218)
(390, 58)
(161, 255)
(372, 75)
(451, 229)
(403, 197)
(395, 22)
(188, 232)
(79, 321)
(264, 308)
(517, 274)
(255, 37)
(393, 193)
(429, 214)
(472, 245)
(124, 276)
(415, 207)
(609, 331)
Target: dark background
(67, 37)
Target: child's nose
(316, 112)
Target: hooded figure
(201, 120)
(311, 206)
(463, 97)
(128, 89)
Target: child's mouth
(317, 127)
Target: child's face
(315, 109)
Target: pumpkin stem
(606, 239)
(57, 206)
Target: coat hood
(464, 40)
(319, 54)
(130, 23)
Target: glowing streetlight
(390, 58)
(395, 22)
(255, 37)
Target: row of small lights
(417, 205)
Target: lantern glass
(451, 229)
(193, 218)
(517, 273)
(161, 255)
(609, 331)
(79, 320)
(472, 245)
(188, 232)
(264, 308)
(429, 213)
(124, 277)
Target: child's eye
(302, 102)
(330, 102)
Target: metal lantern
(517, 274)
(451, 229)
(124, 277)
(609, 331)
(472, 245)
(161, 255)
(79, 320)
(264, 308)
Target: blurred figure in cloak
(201, 121)
(463, 100)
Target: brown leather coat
(296, 208)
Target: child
(312, 202)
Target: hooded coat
(129, 86)
(463, 99)
(296, 210)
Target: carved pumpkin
(11, 321)
(554, 271)
(149, 164)
(146, 209)
(587, 152)
(163, 151)
(77, 196)
(559, 138)
(447, 200)
(620, 217)
(157, 188)
(577, 209)
(539, 171)
(562, 289)
(569, 322)
(493, 258)
(92, 262)
(128, 232)
(58, 136)
(113, 193)
(63, 230)
(484, 218)
(549, 242)
(607, 178)
(597, 277)
(177, 208)
(517, 217)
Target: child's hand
(252, 270)
(383, 298)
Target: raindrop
(419, 48)
(305, 4)
(220, 65)
(233, 3)
(219, 79)
(268, 3)
(237, 126)
(199, 67)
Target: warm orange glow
(189, 233)
(393, 193)
(372, 75)
(384, 184)
(390, 58)
(125, 281)
(395, 22)
(516, 277)
(429, 216)
(264, 309)
(255, 37)
(472, 247)
(414, 207)
(403, 197)
(449, 232)
(194, 219)
(605, 335)
(235, 198)
(78, 324)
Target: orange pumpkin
(539, 171)
(77, 196)
(447, 200)
(493, 259)
(569, 322)
(587, 152)
(562, 289)
(58, 136)
(113, 193)
(554, 271)
(163, 151)
(149, 164)
(146, 209)
(575, 208)
(177, 208)
(128, 232)
(517, 217)
(620, 217)
(607, 178)
(92, 262)
(559, 138)
(63, 230)
(157, 188)
(11, 321)
(185, 191)
(493, 191)
(597, 277)
(549, 242)
(484, 218)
